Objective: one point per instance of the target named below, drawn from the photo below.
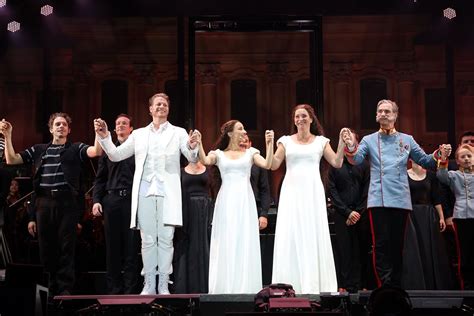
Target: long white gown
(303, 254)
(234, 264)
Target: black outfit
(450, 236)
(388, 234)
(261, 190)
(425, 261)
(57, 211)
(16, 224)
(348, 187)
(5, 179)
(112, 189)
(192, 240)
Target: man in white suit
(156, 190)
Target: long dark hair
(315, 127)
(222, 143)
(223, 140)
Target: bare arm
(278, 157)
(267, 162)
(207, 160)
(335, 159)
(442, 223)
(96, 150)
(11, 156)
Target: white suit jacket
(176, 143)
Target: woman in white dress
(303, 254)
(234, 263)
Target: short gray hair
(394, 105)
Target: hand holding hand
(195, 138)
(5, 128)
(269, 135)
(100, 127)
(347, 137)
(445, 150)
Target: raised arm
(11, 156)
(189, 146)
(278, 157)
(335, 159)
(209, 159)
(267, 162)
(127, 149)
(96, 150)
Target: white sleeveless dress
(303, 255)
(234, 264)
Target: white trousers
(157, 239)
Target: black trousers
(388, 234)
(465, 240)
(353, 246)
(122, 245)
(56, 219)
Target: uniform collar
(466, 170)
(390, 131)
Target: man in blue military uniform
(389, 194)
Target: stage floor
(423, 303)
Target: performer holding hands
(461, 183)
(156, 189)
(303, 255)
(388, 200)
(235, 265)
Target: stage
(423, 303)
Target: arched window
(244, 102)
(114, 100)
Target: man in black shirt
(112, 198)
(260, 187)
(57, 190)
(5, 179)
(348, 187)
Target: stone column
(339, 111)
(279, 109)
(410, 112)
(206, 105)
(81, 106)
(144, 89)
(464, 105)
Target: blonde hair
(464, 146)
(157, 95)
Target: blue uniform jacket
(388, 156)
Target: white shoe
(149, 288)
(163, 284)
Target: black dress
(192, 240)
(426, 264)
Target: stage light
(3, 3)
(449, 13)
(46, 10)
(13, 26)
